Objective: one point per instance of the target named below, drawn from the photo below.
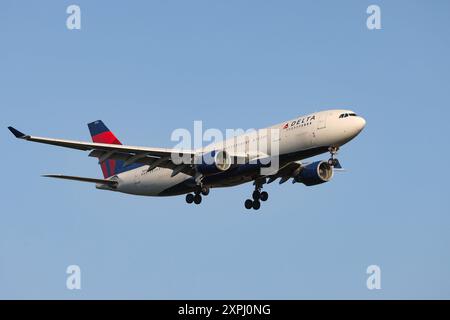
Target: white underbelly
(152, 183)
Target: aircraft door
(322, 121)
(317, 132)
(137, 177)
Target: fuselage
(296, 140)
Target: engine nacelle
(214, 162)
(315, 173)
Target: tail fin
(101, 134)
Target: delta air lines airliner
(158, 172)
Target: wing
(154, 157)
(285, 172)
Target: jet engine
(214, 162)
(315, 173)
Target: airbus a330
(153, 172)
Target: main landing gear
(257, 196)
(197, 196)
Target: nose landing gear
(332, 161)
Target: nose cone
(354, 128)
(360, 123)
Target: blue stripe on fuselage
(120, 168)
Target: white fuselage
(298, 139)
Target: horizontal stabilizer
(110, 183)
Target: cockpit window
(345, 115)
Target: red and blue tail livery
(101, 134)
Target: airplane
(155, 172)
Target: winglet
(17, 133)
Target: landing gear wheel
(189, 198)
(205, 191)
(256, 205)
(256, 195)
(197, 199)
(264, 196)
(248, 204)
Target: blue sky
(149, 67)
